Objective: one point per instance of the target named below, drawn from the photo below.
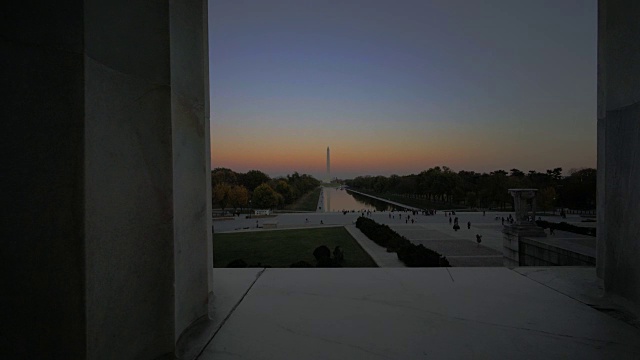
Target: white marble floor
(407, 313)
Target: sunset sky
(401, 86)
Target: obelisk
(328, 166)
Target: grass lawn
(307, 202)
(281, 248)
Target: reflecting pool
(336, 199)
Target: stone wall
(539, 253)
(512, 236)
(510, 248)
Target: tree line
(230, 189)
(441, 185)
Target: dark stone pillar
(619, 147)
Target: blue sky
(401, 86)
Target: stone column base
(511, 235)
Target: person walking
(468, 224)
(478, 239)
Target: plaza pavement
(434, 232)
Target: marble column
(109, 228)
(128, 179)
(619, 147)
(191, 161)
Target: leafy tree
(283, 188)
(497, 188)
(380, 184)
(279, 200)
(299, 185)
(555, 174)
(394, 181)
(264, 197)
(579, 189)
(220, 195)
(407, 185)
(223, 175)
(441, 184)
(253, 178)
(471, 199)
(238, 196)
(516, 173)
(546, 198)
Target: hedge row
(563, 226)
(410, 254)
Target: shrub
(410, 254)
(258, 265)
(321, 253)
(300, 264)
(323, 256)
(338, 255)
(237, 263)
(328, 263)
(563, 226)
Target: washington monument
(328, 165)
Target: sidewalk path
(377, 252)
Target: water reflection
(340, 200)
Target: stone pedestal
(511, 237)
(524, 225)
(524, 204)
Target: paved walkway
(377, 252)
(460, 246)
